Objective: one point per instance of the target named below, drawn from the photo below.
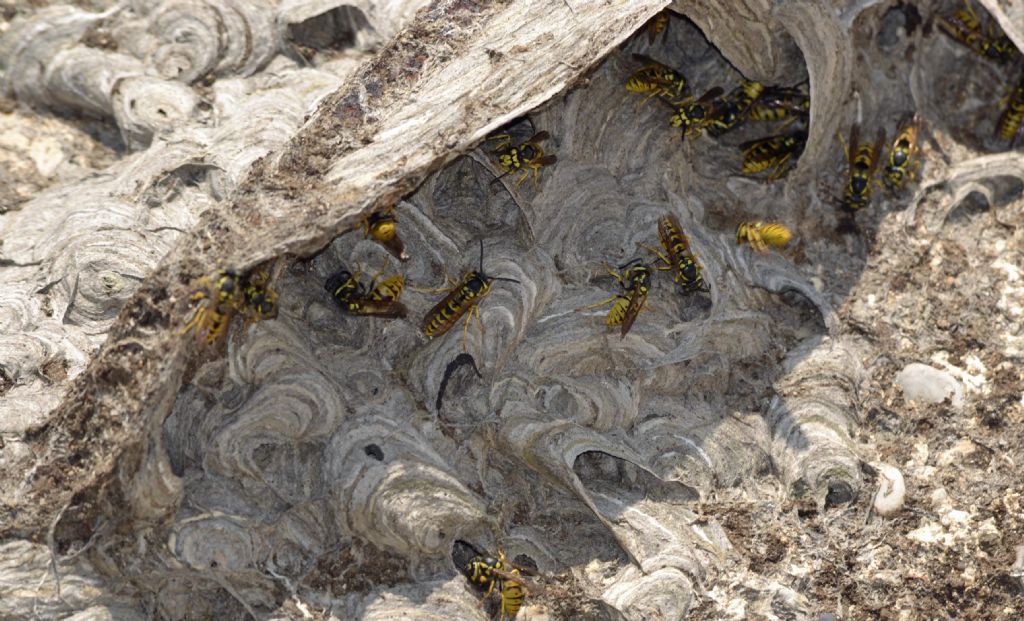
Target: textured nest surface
(718, 461)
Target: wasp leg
(197, 318)
(654, 93)
(447, 289)
(780, 168)
(373, 281)
(668, 264)
(490, 589)
(793, 117)
(473, 310)
(846, 148)
(452, 285)
(601, 303)
(522, 178)
(505, 141)
(757, 242)
(614, 274)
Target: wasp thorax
(476, 284)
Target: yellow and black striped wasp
(901, 161)
(376, 300)
(681, 260)
(526, 157)
(1011, 121)
(780, 104)
(489, 572)
(731, 109)
(965, 26)
(693, 116)
(656, 80)
(462, 298)
(656, 26)
(218, 301)
(635, 281)
(761, 235)
(226, 295)
(258, 300)
(383, 228)
(777, 153)
(862, 160)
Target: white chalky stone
(921, 382)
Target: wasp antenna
(505, 279)
(481, 255)
(631, 262)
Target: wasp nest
(230, 479)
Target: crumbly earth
(923, 562)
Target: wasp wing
(530, 585)
(636, 304)
(538, 137)
(712, 94)
(388, 309)
(852, 145)
(876, 150)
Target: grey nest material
(179, 481)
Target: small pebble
(921, 382)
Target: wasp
(218, 302)
(657, 25)
(774, 152)
(258, 300)
(863, 159)
(964, 26)
(1011, 121)
(731, 109)
(383, 228)
(526, 157)
(901, 154)
(693, 116)
(375, 300)
(463, 298)
(490, 572)
(636, 284)
(656, 80)
(228, 294)
(760, 235)
(680, 258)
(780, 104)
